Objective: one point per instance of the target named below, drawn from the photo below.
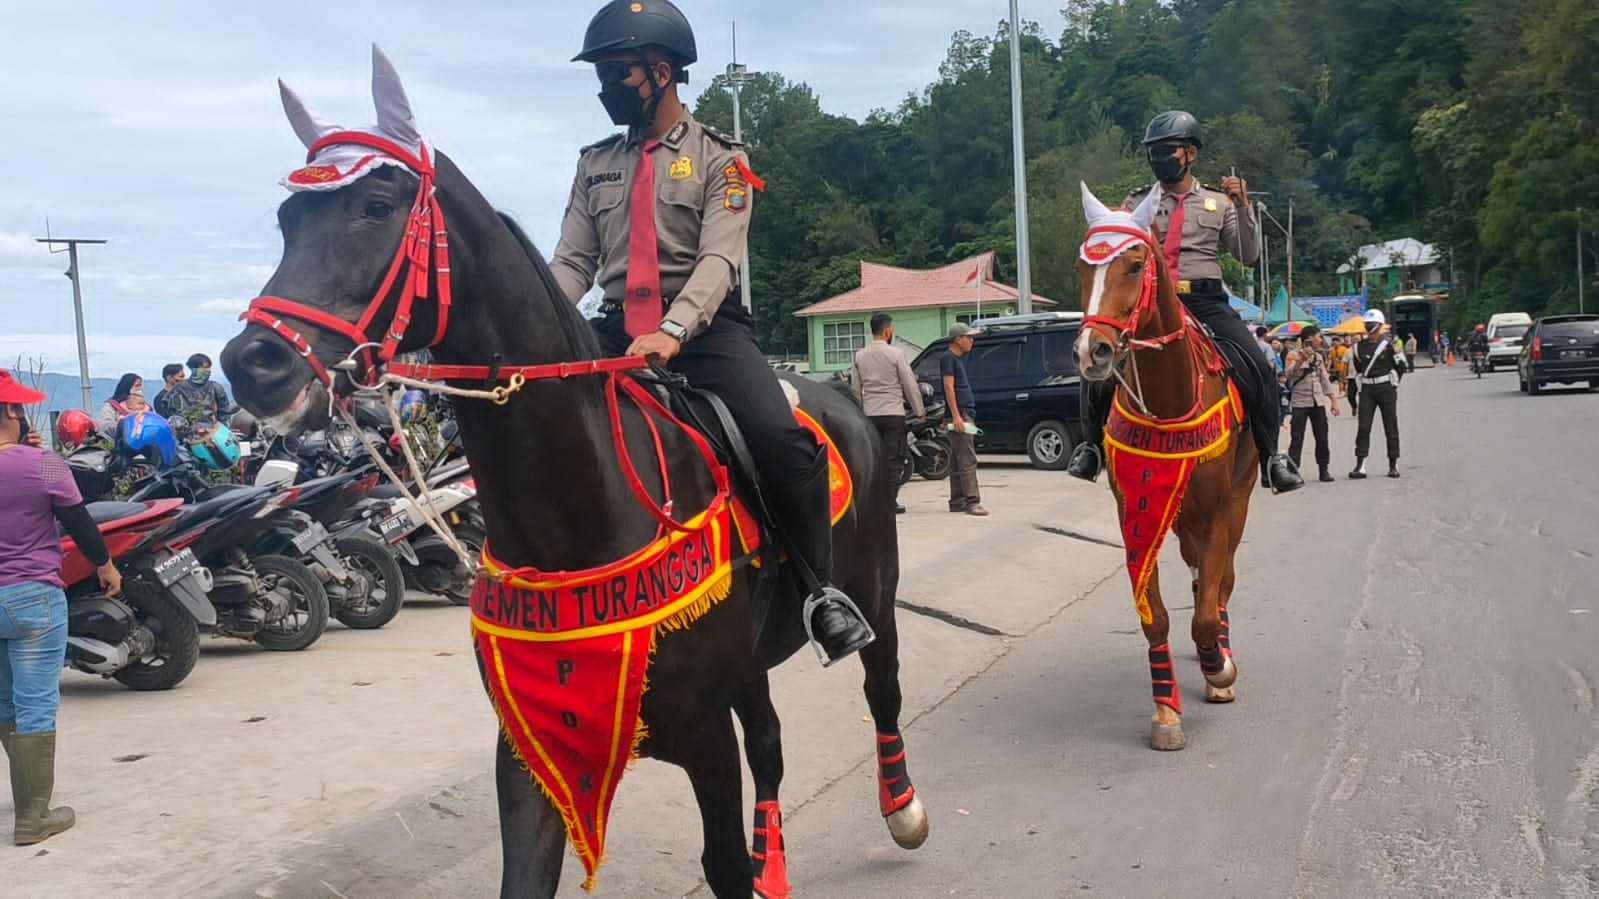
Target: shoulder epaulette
(722, 137)
(1138, 192)
(604, 142)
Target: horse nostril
(266, 360)
(1101, 352)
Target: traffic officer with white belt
(1196, 222)
(659, 215)
(1379, 365)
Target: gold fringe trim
(681, 620)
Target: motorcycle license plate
(170, 571)
(312, 536)
(395, 527)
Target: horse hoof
(1225, 678)
(909, 825)
(1167, 737)
(1220, 694)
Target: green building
(924, 304)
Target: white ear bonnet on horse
(1100, 248)
(337, 165)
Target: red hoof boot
(771, 871)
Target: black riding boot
(834, 623)
(1277, 471)
(1087, 459)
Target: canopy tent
(1246, 310)
(1356, 326)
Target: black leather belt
(1202, 287)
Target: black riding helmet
(636, 24)
(1173, 124)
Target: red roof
(885, 287)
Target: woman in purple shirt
(39, 491)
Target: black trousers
(1353, 385)
(725, 360)
(1261, 403)
(1372, 398)
(1317, 416)
(896, 446)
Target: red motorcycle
(147, 638)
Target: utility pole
(77, 306)
(1289, 312)
(1024, 277)
(1579, 261)
(737, 75)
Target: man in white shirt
(885, 385)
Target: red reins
(423, 255)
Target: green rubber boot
(33, 778)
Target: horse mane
(573, 325)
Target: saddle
(1243, 364)
(706, 413)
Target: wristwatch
(674, 330)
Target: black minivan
(1024, 377)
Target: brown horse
(1176, 444)
(576, 472)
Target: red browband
(423, 254)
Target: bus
(1414, 315)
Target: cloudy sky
(157, 126)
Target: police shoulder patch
(604, 142)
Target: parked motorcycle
(148, 637)
(929, 444)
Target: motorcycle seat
(385, 490)
(107, 512)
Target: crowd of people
(189, 400)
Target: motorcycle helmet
(370, 412)
(243, 425)
(92, 471)
(1481, 327)
(146, 432)
(413, 406)
(218, 451)
(74, 429)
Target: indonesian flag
(976, 273)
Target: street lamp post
(736, 75)
(1024, 277)
(77, 307)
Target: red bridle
(423, 254)
(1120, 332)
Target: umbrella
(1351, 326)
(1287, 330)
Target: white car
(1504, 338)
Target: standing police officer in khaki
(1196, 222)
(658, 215)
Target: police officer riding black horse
(1196, 222)
(658, 216)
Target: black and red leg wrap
(1211, 660)
(1163, 678)
(1225, 639)
(771, 869)
(894, 790)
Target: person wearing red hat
(39, 491)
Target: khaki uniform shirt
(1210, 224)
(1309, 389)
(702, 214)
(884, 382)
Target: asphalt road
(1415, 714)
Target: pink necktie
(1173, 242)
(643, 302)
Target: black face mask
(1168, 169)
(622, 103)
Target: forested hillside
(1467, 123)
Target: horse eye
(1136, 268)
(378, 209)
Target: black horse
(553, 495)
